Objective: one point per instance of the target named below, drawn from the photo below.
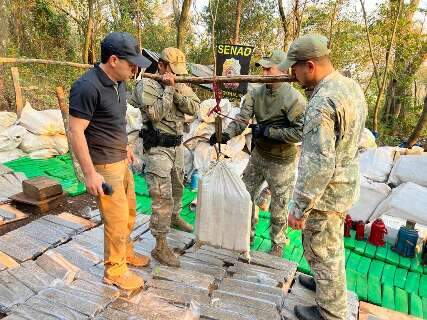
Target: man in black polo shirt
(98, 136)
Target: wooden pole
(222, 79)
(18, 92)
(4, 60)
(64, 111)
(178, 79)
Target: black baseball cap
(123, 45)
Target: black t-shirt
(95, 97)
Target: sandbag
(34, 142)
(410, 169)
(11, 137)
(10, 155)
(370, 196)
(239, 162)
(7, 119)
(367, 140)
(46, 122)
(133, 119)
(376, 164)
(203, 155)
(219, 221)
(208, 104)
(407, 201)
(43, 154)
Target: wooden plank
(18, 92)
(41, 188)
(367, 310)
(7, 208)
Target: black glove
(213, 140)
(259, 130)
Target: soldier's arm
(155, 103)
(186, 100)
(317, 163)
(293, 133)
(246, 113)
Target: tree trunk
(138, 24)
(333, 18)
(183, 24)
(368, 36)
(285, 25)
(238, 15)
(422, 123)
(388, 54)
(89, 31)
(297, 18)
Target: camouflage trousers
(165, 176)
(280, 177)
(324, 250)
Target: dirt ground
(73, 205)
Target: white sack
(133, 119)
(234, 146)
(367, 140)
(34, 142)
(7, 119)
(188, 162)
(370, 196)
(10, 155)
(43, 154)
(208, 104)
(11, 137)
(224, 209)
(46, 122)
(407, 201)
(239, 162)
(376, 164)
(410, 169)
(203, 155)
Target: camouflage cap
(304, 48)
(275, 58)
(176, 60)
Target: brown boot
(179, 223)
(127, 281)
(164, 254)
(277, 250)
(137, 260)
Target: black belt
(169, 140)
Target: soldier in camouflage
(328, 172)
(163, 105)
(279, 111)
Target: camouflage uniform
(273, 158)
(327, 184)
(165, 108)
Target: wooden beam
(223, 79)
(4, 60)
(18, 92)
(65, 115)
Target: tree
(422, 123)
(238, 15)
(182, 25)
(89, 36)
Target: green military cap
(304, 48)
(275, 58)
(176, 60)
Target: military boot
(164, 254)
(179, 223)
(308, 313)
(277, 249)
(307, 282)
(127, 281)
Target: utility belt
(152, 137)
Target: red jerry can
(378, 230)
(347, 226)
(360, 230)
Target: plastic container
(195, 180)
